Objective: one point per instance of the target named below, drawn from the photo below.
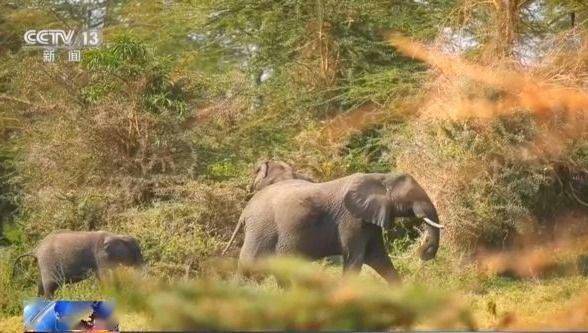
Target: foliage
(128, 60)
(155, 133)
(314, 300)
(329, 54)
(191, 225)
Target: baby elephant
(69, 256)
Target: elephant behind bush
(69, 256)
(345, 216)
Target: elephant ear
(367, 199)
(115, 247)
(263, 169)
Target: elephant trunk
(430, 244)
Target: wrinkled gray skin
(70, 256)
(340, 217)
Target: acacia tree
(514, 28)
(332, 52)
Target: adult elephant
(345, 216)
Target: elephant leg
(49, 288)
(353, 247)
(48, 282)
(103, 272)
(352, 262)
(378, 259)
(255, 246)
(40, 289)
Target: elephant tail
(239, 224)
(18, 259)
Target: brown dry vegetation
(151, 136)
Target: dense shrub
(155, 133)
(178, 235)
(485, 192)
(315, 299)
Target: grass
(530, 304)
(163, 152)
(444, 293)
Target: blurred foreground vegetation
(155, 135)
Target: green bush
(178, 235)
(315, 299)
(14, 289)
(486, 193)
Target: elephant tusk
(436, 225)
